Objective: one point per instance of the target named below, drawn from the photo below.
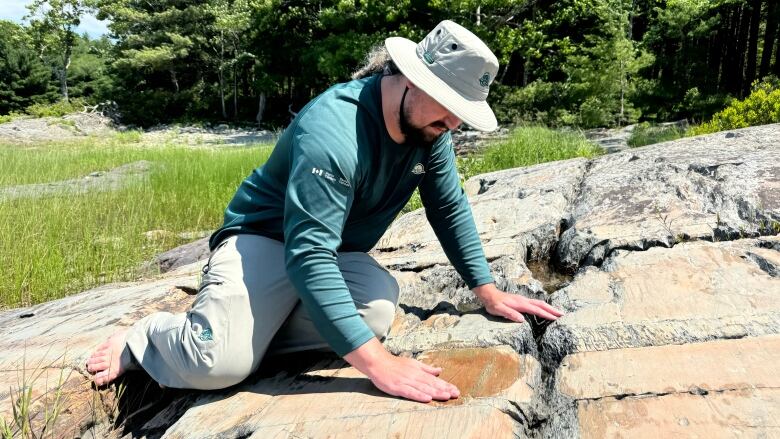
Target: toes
(98, 366)
(97, 362)
(104, 377)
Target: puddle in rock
(550, 279)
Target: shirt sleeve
(317, 200)
(448, 211)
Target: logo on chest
(418, 169)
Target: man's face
(425, 120)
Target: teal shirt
(335, 182)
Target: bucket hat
(454, 67)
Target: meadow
(63, 243)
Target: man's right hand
(404, 377)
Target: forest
(581, 63)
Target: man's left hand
(511, 306)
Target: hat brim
(475, 113)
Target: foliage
(570, 62)
(57, 109)
(761, 107)
(52, 26)
(69, 242)
(24, 79)
(528, 146)
(648, 134)
(160, 58)
(10, 117)
(21, 424)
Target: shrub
(56, 109)
(9, 117)
(761, 107)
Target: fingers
(409, 392)
(538, 308)
(511, 314)
(542, 313)
(433, 370)
(549, 308)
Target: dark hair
(377, 61)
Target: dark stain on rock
(475, 372)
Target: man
(289, 269)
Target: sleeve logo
(418, 169)
(330, 177)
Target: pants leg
(244, 299)
(374, 291)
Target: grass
(525, 146)
(528, 146)
(57, 245)
(61, 244)
(36, 407)
(646, 134)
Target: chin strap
(401, 110)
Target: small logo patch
(418, 169)
(428, 56)
(205, 335)
(485, 79)
(330, 177)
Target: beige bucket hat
(454, 67)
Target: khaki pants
(246, 308)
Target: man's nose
(452, 122)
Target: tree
(160, 60)
(231, 23)
(24, 79)
(53, 24)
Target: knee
(379, 315)
(380, 312)
(214, 362)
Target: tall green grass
(57, 245)
(646, 134)
(528, 146)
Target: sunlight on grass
(58, 245)
(646, 134)
(528, 146)
(61, 244)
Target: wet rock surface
(666, 260)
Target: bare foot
(106, 362)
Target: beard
(416, 136)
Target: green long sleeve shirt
(334, 182)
